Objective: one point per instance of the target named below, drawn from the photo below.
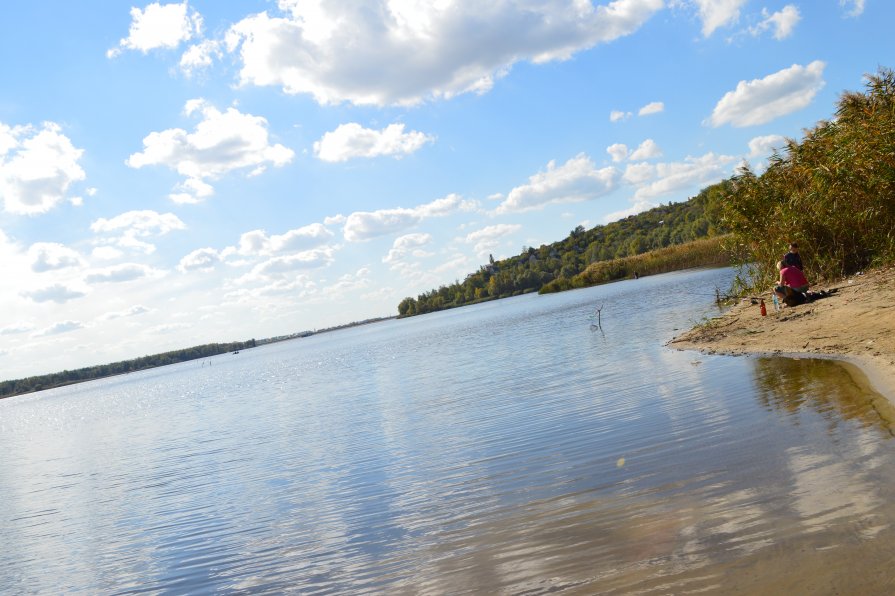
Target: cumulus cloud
(121, 273)
(130, 229)
(782, 22)
(638, 173)
(37, 167)
(61, 327)
(57, 293)
(106, 253)
(619, 116)
(159, 26)
(765, 145)
(203, 259)
(364, 225)
(386, 52)
(50, 256)
(676, 176)
(279, 267)
(634, 209)
(574, 181)
(488, 238)
(200, 56)
(348, 282)
(222, 142)
(718, 13)
(655, 107)
(857, 7)
(352, 140)
(133, 311)
(648, 149)
(409, 245)
(762, 100)
(258, 243)
(16, 329)
(618, 152)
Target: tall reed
(833, 192)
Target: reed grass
(707, 252)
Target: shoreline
(855, 325)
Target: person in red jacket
(792, 288)
(792, 276)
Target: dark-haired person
(792, 257)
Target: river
(508, 447)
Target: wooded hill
(559, 263)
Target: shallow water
(507, 447)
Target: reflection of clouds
(825, 491)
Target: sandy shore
(856, 324)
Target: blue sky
(181, 173)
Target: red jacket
(793, 277)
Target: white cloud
(765, 145)
(202, 259)
(648, 149)
(388, 52)
(782, 22)
(133, 311)
(106, 253)
(678, 176)
(279, 267)
(61, 327)
(718, 13)
(634, 209)
(638, 173)
(655, 107)
(258, 243)
(37, 167)
(348, 282)
(50, 256)
(222, 142)
(618, 151)
(857, 7)
(352, 140)
(16, 329)
(159, 26)
(619, 116)
(364, 225)
(488, 238)
(334, 220)
(57, 293)
(762, 100)
(121, 273)
(409, 245)
(574, 181)
(130, 229)
(200, 56)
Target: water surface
(507, 447)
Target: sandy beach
(856, 323)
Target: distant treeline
(833, 192)
(557, 264)
(67, 377)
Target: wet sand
(855, 324)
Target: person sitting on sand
(792, 287)
(792, 257)
(792, 276)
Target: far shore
(856, 324)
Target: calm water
(508, 447)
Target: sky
(174, 174)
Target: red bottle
(764, 309)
